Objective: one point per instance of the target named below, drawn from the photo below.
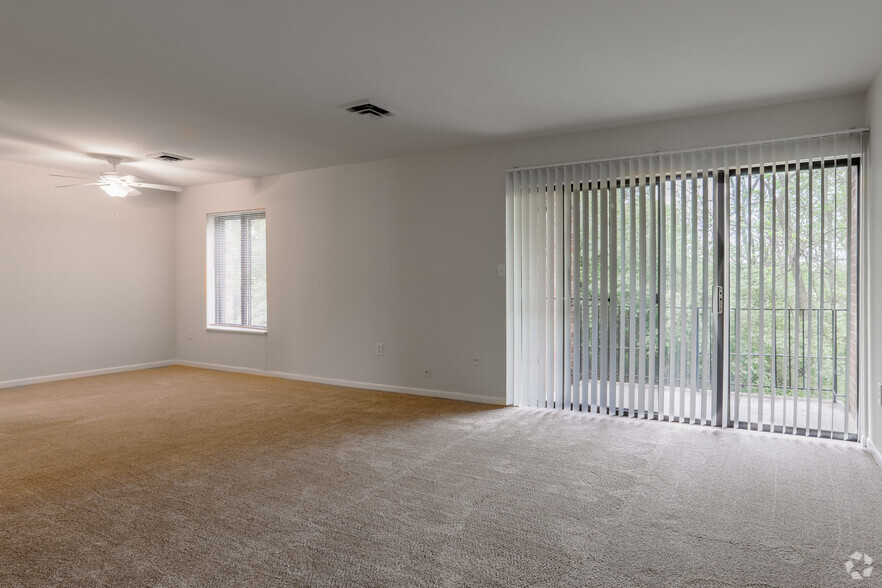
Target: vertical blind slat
(550, 262)
(812, 270)
(694, 309)
(653, 290)
(748, 359)
(684, 289)
(613, 300)
(670, 293)
(849, 297)
(705, 279)
(623, 301)
(641, 376)
(761, 324)
(596, 356)
(738, 303)
(537, 339)
(603, 305)
(661, 295)
(559, 292)
(772, 186)
(791, 154)
(511, 325)
(575, 279)
(631, 299)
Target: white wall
(404, 251)
(86, 281)
(874, 261)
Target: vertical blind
(635, 283)
(793, 261)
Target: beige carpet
(186, 477)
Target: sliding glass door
(793, 277)
(712, 287)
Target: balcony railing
(805, 355)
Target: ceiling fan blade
(134, 192)
(130, 179)
(89, 184)
(62, 176)
(155, 186)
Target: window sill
(234, 329)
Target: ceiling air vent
(367, 109)
(169, 157)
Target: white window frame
(212, 322)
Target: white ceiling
(249, 88)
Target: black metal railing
(804, 355)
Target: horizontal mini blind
(237, 269)
(632, 280)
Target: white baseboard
(874, 451)
(84, 374)
(349, 383)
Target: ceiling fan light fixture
(117, 189)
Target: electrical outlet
(500, 270)
(379, 349)
(476, 360)
(427, 371)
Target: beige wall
(86, 281)
(404, 251)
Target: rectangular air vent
(169, 157)
(366, 108)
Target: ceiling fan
(117, 185)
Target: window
(236, 271)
